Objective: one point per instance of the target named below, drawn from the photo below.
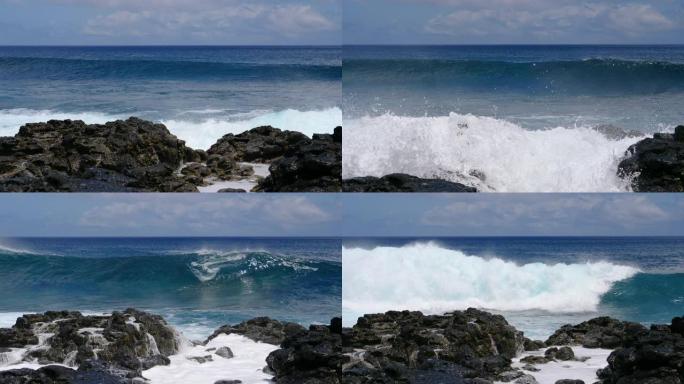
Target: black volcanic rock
(262, 329)
(399, 182)
(457, 347)
(313, 356)
(259, 145)
(311, 165)
(117, 347)
(601, 332)
(66, 156)
(653, 356)
(656, 164)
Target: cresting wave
(429, 278)
(198, 131)
(594, 76)
(36, 68)
(487, 153)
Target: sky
(170, 22)
(177, 215)
(513, 22)
(341, 215)
(528, 214)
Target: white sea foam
(432, 279)
(553, 371)
(246, 365)
(460, 148)
(197, 133)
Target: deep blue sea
(197, 284)
(538, 283)
(200, 93)
(529, 118)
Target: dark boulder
(262, 329)
(313, 356)
(258, 145)
(656, 164)
(399, 182)
(601, 332)
(312, 165)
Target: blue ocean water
(200, 92)
(527, 118)
(537, 283)
(197, 284)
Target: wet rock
(562, 353)
(262, 329)
(225, 352)
(231, 190)
(568, 381)
(653, 356)
(311, 165)
(228, 382)
(70, 156)
(656, 164)
(399, 346)
(258, 145)
(399, 182)
(601, 332)
(312, 356)
(534, 345)
(121, 344)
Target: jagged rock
(399, 182)
(601, 332)
(534, 345)
(260, 145)
(228, 382)
(400, 346)
(656, 164)
(569, 381)
(653, 356)
(119, 345)
(562, 353)
(225, 352)
(261, 329)
(130, 155)
(311, 165)
(313, 356)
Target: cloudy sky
(163, 22)
(513, 21)
(158, 214)
(337, 215)
(528, 214)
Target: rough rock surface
(653, 356)
(399, 182)
(115, 348)
(130, 155)
(262, 329)
(656, 164)
(471, 346)
(311, 165)
(312, 356)
(601, 332)
(138, 155)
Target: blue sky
(333, 215)
(163, 22)
(513, 21)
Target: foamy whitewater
(490, 154)
(198, 132)
(426, 277)
(553, 371)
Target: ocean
(200, 93)
(196, 284)
(507, 118)
(537, 283)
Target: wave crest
(484, 152)
(429, 278)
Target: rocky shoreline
(656, 164)
(401, 182)
(135, 155)
(476, 347)
(118, 348)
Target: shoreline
(138, 347)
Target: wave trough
(484, 152)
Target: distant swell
(18, 68)
(433, 279)
(596, 76)
(487, 153)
